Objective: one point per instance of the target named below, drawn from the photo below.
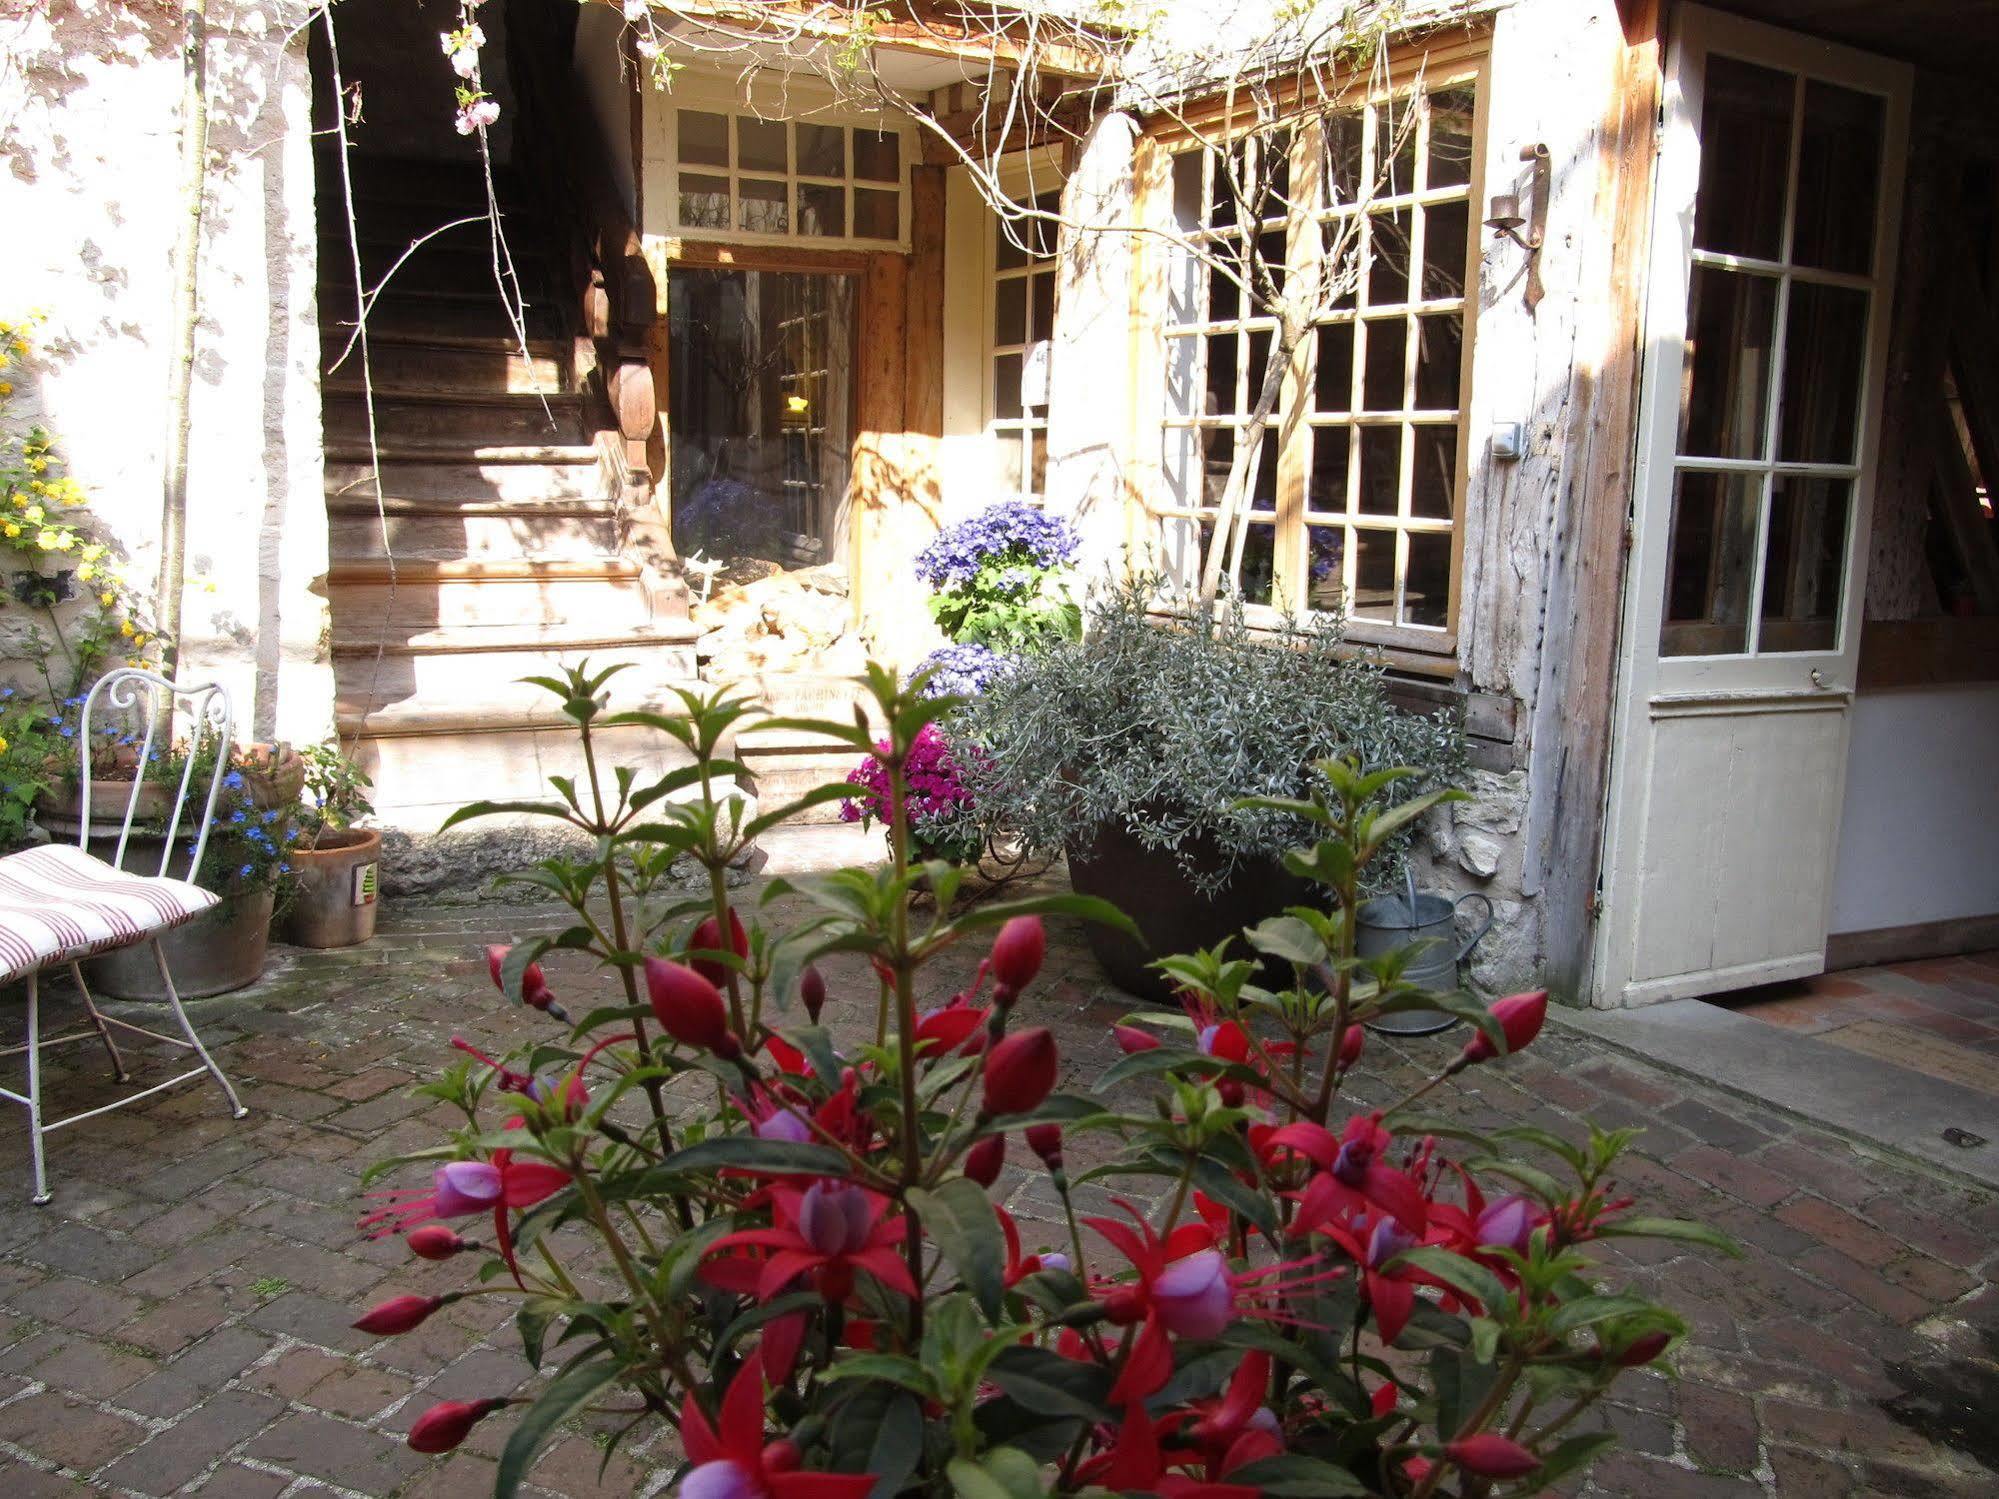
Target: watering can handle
(1484, 927)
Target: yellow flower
(107, 599)
(138, 642)
(85, 573)
(46, 540)
(13, 528)
(3, 744)
(125, 628)
(6, 388)
(34, 515)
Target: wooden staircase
(494, 544)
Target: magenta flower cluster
(936, 784)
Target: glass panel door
(758, 411)
(1782, 294)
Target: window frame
(1032, 423)
(797, 104)
(1296, 421)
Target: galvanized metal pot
(1391, 921)
(220, 950)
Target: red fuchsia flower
(1131, 1040)
(983, 1160)
(1018, 951)
(731, 1460)
(436, 1242)
(708, 938)
(952, 1027)
(1352, 1176)
(534, 982)
(1019, 1266)
(462, 1188)
(1637, 1353)
(826, 1231)
(1185, 1289)
(1138, 1463)
(812, 992)
(1520, 1017)
(1236, 1428)
(1490, 1455)
(689, 1008)
(1375, 1244)
(398, 1315)
(1020, 1072)
(1045, 1140)
(445, 1425)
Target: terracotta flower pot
(273, 774)
(61, 809)
(220, 950)
(335, 901)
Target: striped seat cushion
(58, 903)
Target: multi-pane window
(1356, 499)
(1018, 351)
(797, 179)
(1781, 293)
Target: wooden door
(1771, 284)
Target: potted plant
(248, 856)
(940, 825)
(1001, 578)
(333, 875)
(1131, 749)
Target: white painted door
(1772, 275)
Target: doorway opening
(759, 415)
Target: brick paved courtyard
(176, 1321)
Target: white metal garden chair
(59, 905)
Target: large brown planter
(1171, 912)
(61, 807)
(220, 950)
(335, 900)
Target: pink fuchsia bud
(466, 1187)
(1020, 1072)
(1045, 1140)
(1490, 1455)
(708, 938)
(834, 1218)
(534, 983)
(812, 992)
(1194, 1295)
(1231, 1092)
(1352, 1044)
(1519, 1017)
(444, 1426)
(436, 1242)
(689, 1008)
(983, 1160)
(398, 1315)
(1131, 1040)
(1018, 951)
(1506, 1223)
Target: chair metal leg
(236, 1109)
(41, 1196)
(118, 1072)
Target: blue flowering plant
(250, 844)
(963, 668)
(1001, 579)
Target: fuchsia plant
(808, 1278)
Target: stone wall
(89, 130)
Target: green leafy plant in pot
(333, 878)
(1135, 749)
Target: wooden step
(479, 314)
(606, 593)
(471, 418)
(566, 531)
(473, 693)
(496, 639)
(444, 478)
(412, 360)
(483, 454)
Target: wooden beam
(880, 397)
(1575, 697)
(1928, 652)
(923, 323)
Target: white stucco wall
(89, 128)
(1915, 838)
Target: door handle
(1818, 678)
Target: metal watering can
(1391, 921)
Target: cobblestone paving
(177, 1320)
